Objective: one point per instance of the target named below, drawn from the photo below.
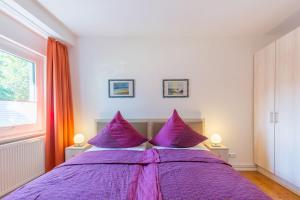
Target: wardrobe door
(264, 86)
(287, 107)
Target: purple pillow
(118, 134)
(176, 133)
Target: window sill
(17, 138)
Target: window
(21, 90)
(17, 91)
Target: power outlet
(232, 155)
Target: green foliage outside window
(16, 78)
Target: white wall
(220, 73)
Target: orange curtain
(59, 106)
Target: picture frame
(121, 88)
(175, 88)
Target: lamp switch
(232, 155)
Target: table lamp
(216, 140)
(78, 140)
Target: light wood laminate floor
(273, 189)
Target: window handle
(276, 117)
(271, 117)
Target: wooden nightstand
(221, 151)
(72, 151)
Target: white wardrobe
(277, 108)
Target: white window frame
(38, 128)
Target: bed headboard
(150, 127)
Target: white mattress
(141, 147)
(197, 147)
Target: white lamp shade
(78, 139)
(216, 139)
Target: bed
(150, 174)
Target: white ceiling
(171, 17)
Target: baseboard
(280, 181)
(245, 167)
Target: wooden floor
(273, 189)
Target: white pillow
(197, 147)
(141, 147)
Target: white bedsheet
(197, 147)
(141, 147)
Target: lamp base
(215, 145)
(78, 144)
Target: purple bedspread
(149, 175)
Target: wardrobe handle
(276, 117)
(271, 117)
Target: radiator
(20, 162)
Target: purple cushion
(176, 133)
(118, 134)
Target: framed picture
(175, 88)
(120, 88)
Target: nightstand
(72, 151)
(220, 151)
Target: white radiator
(20, 162)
